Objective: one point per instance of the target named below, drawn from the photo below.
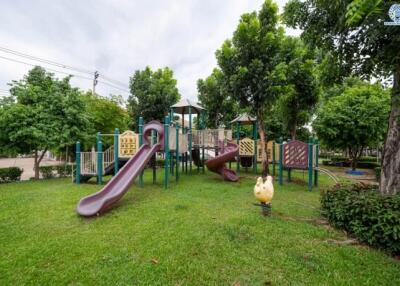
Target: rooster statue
(264, 191)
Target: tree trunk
(293, 131)
(36, 165)
(390, 172)
(37, 162)
(264, 158)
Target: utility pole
(96, 75)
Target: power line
(50, 62)
(44, 60)
(57, 71)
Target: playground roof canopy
(182, 107)
(244, 118)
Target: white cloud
(118, 37)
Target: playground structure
(181, 147)
(301, 156)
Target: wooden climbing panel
(128, 144)
(295, 155)
(246, 147)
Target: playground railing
(88, 163)
(108, 158)
(210, 137)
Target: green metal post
(316, 162)
(273, 158)
(255, 147)
(289, 170)
(153, 141)
(237, 142)
(141, 123)
(116, 151)
(190, 139)
(166, 151)
(99, 162)
(280, 161)
(310, 164)
(78, 163)
(202, 147)
(177, 152)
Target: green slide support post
(237, 142)
(166, 151)
(99, 162)
(116, 151)
(190, 140)
(153, 141)
(177, 152)
(141, 123)
(78, 163)
(289, 170)
(273, 158)
(280, 161)
(202, 146)
(310, 165)
(316, 162)
(255, 147)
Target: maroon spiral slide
(217, 164)
(99, 202)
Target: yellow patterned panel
(128, 144)
(246, 147)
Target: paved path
(26, 164)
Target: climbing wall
(295, 155)
(128, 144)
(246, 147)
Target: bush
(362, 211)
(47, 172)
(326, 162)
(378, 173)
(63, 170)
(11, 174)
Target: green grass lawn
(201, 231)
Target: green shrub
(367, 159)
(378, 173)
(326, 162)
(362, 211)
(47, 171)
(11, 174)
(63, 170)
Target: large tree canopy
(153, 92)
(214, 97)
(354, 119)
(105, 114)
(354, 32)
(252, 65)
(42, 113)
(296, 105)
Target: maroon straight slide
(99, 202)
(217, 164)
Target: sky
(116, 38)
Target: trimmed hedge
(49, 172)
(363, 162)
(11, 174)
(365, 213)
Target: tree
(354, 120)
(42, 113)
(298, 102)
(152, 94)
(220, 106)
(105, 113)
(253, 67)
(353, 31)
